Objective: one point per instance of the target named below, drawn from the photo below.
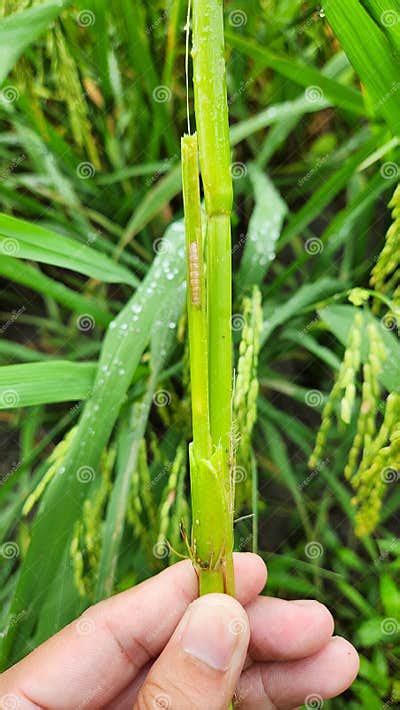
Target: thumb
(201, 664)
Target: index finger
(94, 658)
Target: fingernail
(215, 632)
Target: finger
(127, 699)
(309, 681)
(282, 630)
(279, 630)
(98, 655)
(202, 662)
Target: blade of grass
(137, 33)
(101, 46)
(264, 229)
(13, 476)
(20, 239)
(275, 114)
(307, 341)
(294, 429)
(15, 351)
(174, 13)
(162, 340)
(305, 296)
(43, 382)
(342, 96)
(156, 198)
(19, 30)
(280, 132)
(328, 191)
(280, 457)
(367, 46)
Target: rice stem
(210, 304)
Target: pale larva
(194, 274)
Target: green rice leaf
(16, 351)
(325, 194)
(318, 85)
(275, 114)
(368, 46)
(31, 241)
(264, 229)
(386, 15)
(19, 30)
(133, 431)
(287, 474)
(307, 295)
(44, 382)
(300, 337)
(335, 233)
(156, 198)
(62, 603)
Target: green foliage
(18, 31)
(28, 241)
(340, 320)
(43, 383)
(375, 21)
(370, 460)
(385, 276)
(299, 72)
(264, 229)
(119, 358)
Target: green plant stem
(220, 343)
(219, 303)
(211, 108)
(209, 504)
(210, 582)
(212, 489)
(211, 105)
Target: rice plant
(237, 289)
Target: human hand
(155, 646)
